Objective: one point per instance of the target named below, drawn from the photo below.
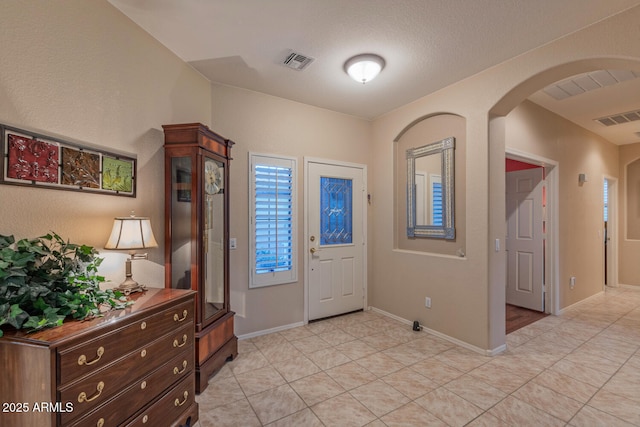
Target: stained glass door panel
(336, 211)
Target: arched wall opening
(498, 148)
(420, 132)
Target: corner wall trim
(488, 352)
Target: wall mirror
(430, 190)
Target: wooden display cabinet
(197, 237)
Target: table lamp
(131, 233)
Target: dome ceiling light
(364, 68)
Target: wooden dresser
(132, 367)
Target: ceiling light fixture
(364, 68)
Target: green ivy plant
(45, 280)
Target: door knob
(313, 250)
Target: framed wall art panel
(36, 160)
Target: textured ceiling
(427, 44)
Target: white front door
(525, 238)
(336, 247)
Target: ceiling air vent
(620, 118)
(297, 61)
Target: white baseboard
(579, 303)
(622, 285)
(490, 352)
(270, 331)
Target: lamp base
(130, 286)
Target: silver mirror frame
(447, 230)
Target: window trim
(280, 277)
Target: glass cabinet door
(181, 171)
(214, 237)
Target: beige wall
(468, 294)
(536, 131)
(265, 124)
(82, 71)
(427, 131)
(628, 246)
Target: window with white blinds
(273, 220)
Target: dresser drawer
(179, 400)
(93, 390)
(77, 361)
(139, 394)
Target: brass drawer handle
(100, 422)
(176, 318)
(145, 419)
(82, 360)
(82, 397)
(177, 401)
(177, 371)
(184, 342)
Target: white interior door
(336, 239)
(525, 238)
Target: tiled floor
(579, 369)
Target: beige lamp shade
(131, 233)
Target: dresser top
(151, 300)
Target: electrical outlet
(427, 302)
(572, 282)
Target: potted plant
(45, 280)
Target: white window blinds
(273, 220)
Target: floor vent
(297, 61)
(619, 118)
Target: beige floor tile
(592, 417)
(476, 391)
(410, 383)
(518, 413)
(547, 400)
(343, 410)
(355, 349)
(581, 372)
(259, 380)
(220, 392)
(488, 420)
(304, 418)
(238, 413)
(430, 346)
(296, 333)
(618, 406)
(581, 369)
(277, 352)
(336, 337)
(351, 375)
(412, 415)
(405, 354)
(246, 362)
(437, 371)
(566, 385)
(280, 402)
(379, 364)
(310, 344)
(498, 377)
(584, 358)
(317, 388)
(328, 358)
(462, 359)
(382, 341)
(449, 407)
(296, 368)
(379, 398)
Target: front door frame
(307, 234)
(552, 216)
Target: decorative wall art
(36, 160)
